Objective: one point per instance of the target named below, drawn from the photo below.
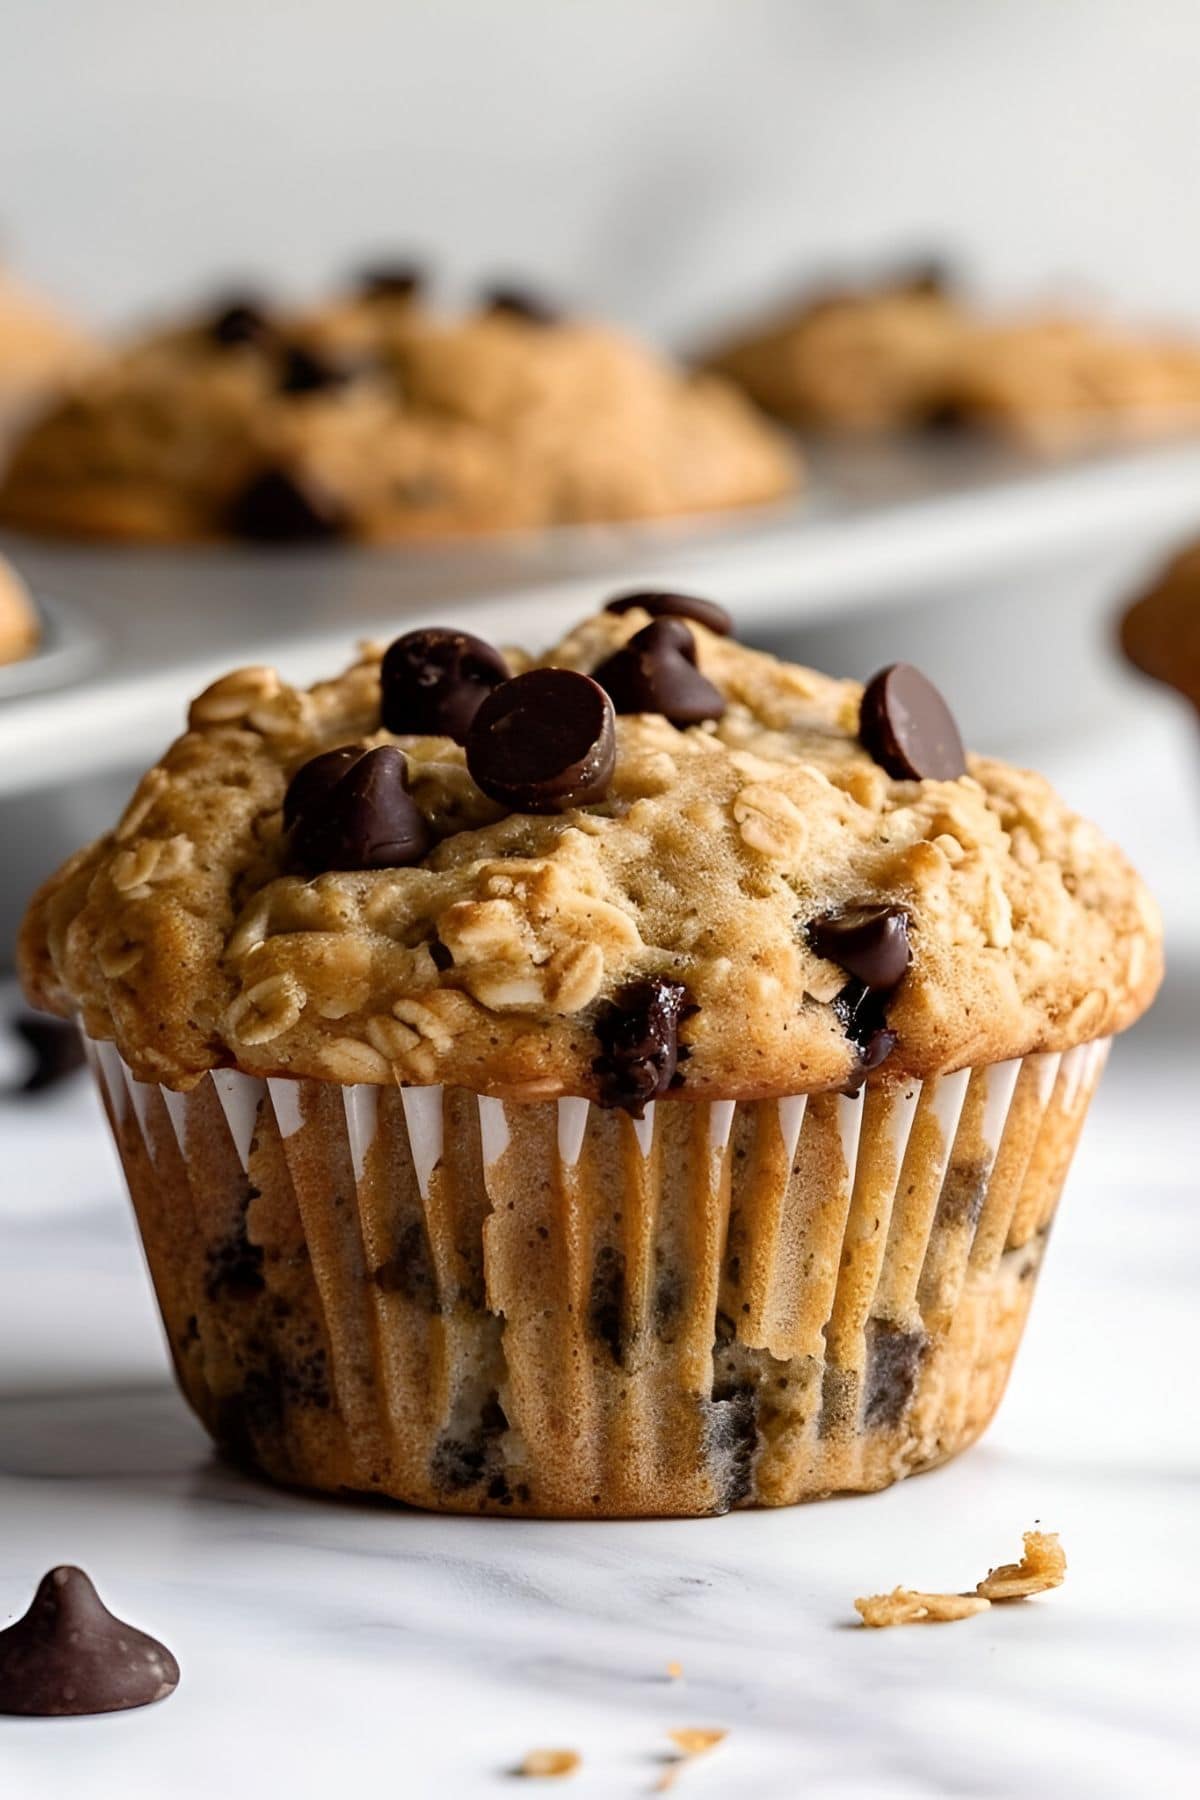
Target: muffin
(376, 418)
(633, 1082)
(19, 631)
(1160, 631)
(868, 360)
(38, 347)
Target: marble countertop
(330, 1647)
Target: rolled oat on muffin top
(652, 861)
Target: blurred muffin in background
(38, 347)
(18, 620)
(907, 353)
(1160, 632)
(376, 418)
(872, 359)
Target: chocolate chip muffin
(633, 1081)
(377, 418)
(19, 631)
(1160, 632)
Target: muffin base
(552, 1310)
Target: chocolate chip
(240, 322)
(365, 820)
(391, 281)
(862, 1012)
(675, 606)
(544, 742)
(279, 506)
(869, 942)
(929, 275)
(908, 728)
(435, 681)
(308, 372)
(655, 672)
(520, 303)
(443, 958)
(313, 781)
(70, 1656)
(638, 1033)
(57, 1050)
(894, 1359)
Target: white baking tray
(137, 631)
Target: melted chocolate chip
(675, 606)
(655, 672)
(391, 281)
(520, 303)
(869, 942)
(70, 1656)
(240, 322)
(908, 728)
(435, 681)
(280, 506)
(366, 819)
(308, 372)
(544, 742)
(862, 1012)
(638, 1033)
(57, 1050)
(314, 780)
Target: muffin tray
(133, 632)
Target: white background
(662, 159)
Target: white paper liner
(553, 1308)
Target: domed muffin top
(650, 862)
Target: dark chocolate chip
(544, 742)
(655, 672)
(520, 303)
(308, 372)
(315, 779)
(281, 506)
(930, 275)
(240, 322)
(869, 942)
(908, 728)
(862, 1012)
(69, 1656)
(443, 957)
(675, 606)
(57, 1050)
(638, 1033)
(391, 281)
(365, 820)
(434, 681)
(948, 415)
(894, 1359)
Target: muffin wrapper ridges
(544, 1307)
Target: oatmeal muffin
(1160, 632)
(38, 348)
(377, 418)
(633, 1081)
(18, 620)
(873, 359)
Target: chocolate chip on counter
(675, 606)
(69, 1656)
(655, 672)
(309, 372)
(391, 281)
(57, 1051)
(314, 779)
(869, 942)
(908, 728)
(544, 742)
(520, 303)
(282, 506)
(240, 322)
(639, 1043)
(366, 819)
(434, 681)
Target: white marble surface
(345, 1648)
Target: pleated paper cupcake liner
(552, 1309)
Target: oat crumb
(1043, 1565)
(674, 1671)
(550, 1762)
(906, 1606)
(694, 1740)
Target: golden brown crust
(182, 935)
(448, 428)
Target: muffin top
(1160, 633)
(375, 417)
(651, 861)
(18, 621)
